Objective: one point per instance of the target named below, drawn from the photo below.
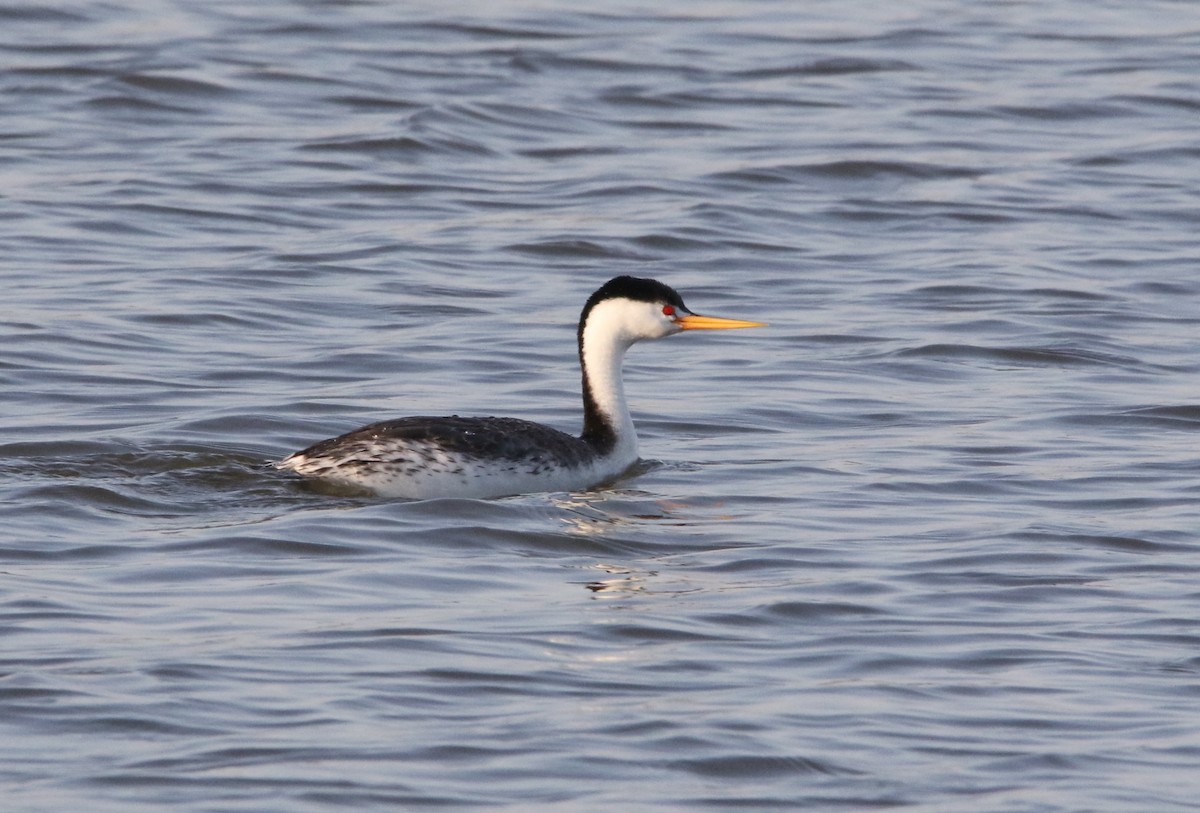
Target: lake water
(930, 542)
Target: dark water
(931, 542)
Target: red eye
(668, 310)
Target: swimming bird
(425, 457)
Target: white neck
(601, 353)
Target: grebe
(422, 458)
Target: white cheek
(660, 325)
(627, 322)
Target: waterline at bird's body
(423, 458)
(426, 457)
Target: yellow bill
(695, 322)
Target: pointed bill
(694, 322)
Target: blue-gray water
(930, 542)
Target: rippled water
(929, 543)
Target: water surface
(927, 543)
